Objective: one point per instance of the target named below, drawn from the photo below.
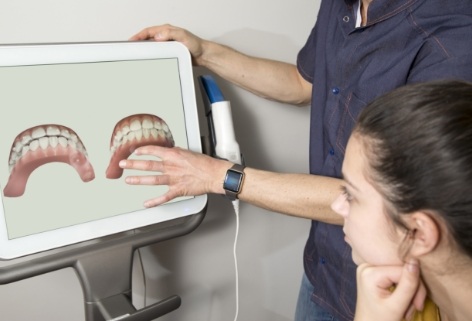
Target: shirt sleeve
(305, 58)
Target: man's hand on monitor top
(168, 32)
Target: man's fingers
(142, 165)
(147, 180)
(160, 199)
(155, 201)
(159, 33)
(152, 150)
(144, 34)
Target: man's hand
(184, 172)
(168, 32)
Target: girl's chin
(356, 260)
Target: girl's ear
(426, 233)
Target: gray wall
(200, 266)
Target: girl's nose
(340, 205)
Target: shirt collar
(383, 9)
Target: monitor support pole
(105, 276)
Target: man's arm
(266, 78)
(188, 173)
(301, 195)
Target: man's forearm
(301, 195)
(266, 78)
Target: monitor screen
(69, 113)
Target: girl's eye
(346, 194)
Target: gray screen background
(89, 98)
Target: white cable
(236, 211)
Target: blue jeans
(307, 310)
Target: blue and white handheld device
(218, 112)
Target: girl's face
(367, 228)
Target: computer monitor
(69, 112)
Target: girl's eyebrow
(346, 179)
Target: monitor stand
(104, 268)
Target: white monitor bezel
(63, 53)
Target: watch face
(233, 181)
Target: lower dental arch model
(49, 143)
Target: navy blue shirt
(404, 41)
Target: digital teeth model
(135, 131)
(44, 144)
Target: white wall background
(199, 267)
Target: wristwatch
(234, 181)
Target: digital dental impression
(135, 131)
(44, 144)
(49, 143)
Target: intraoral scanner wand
(219, 111)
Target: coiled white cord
(236, 211)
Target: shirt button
(346, 19)
(335, 90)
(322, 260)
(331, 151)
